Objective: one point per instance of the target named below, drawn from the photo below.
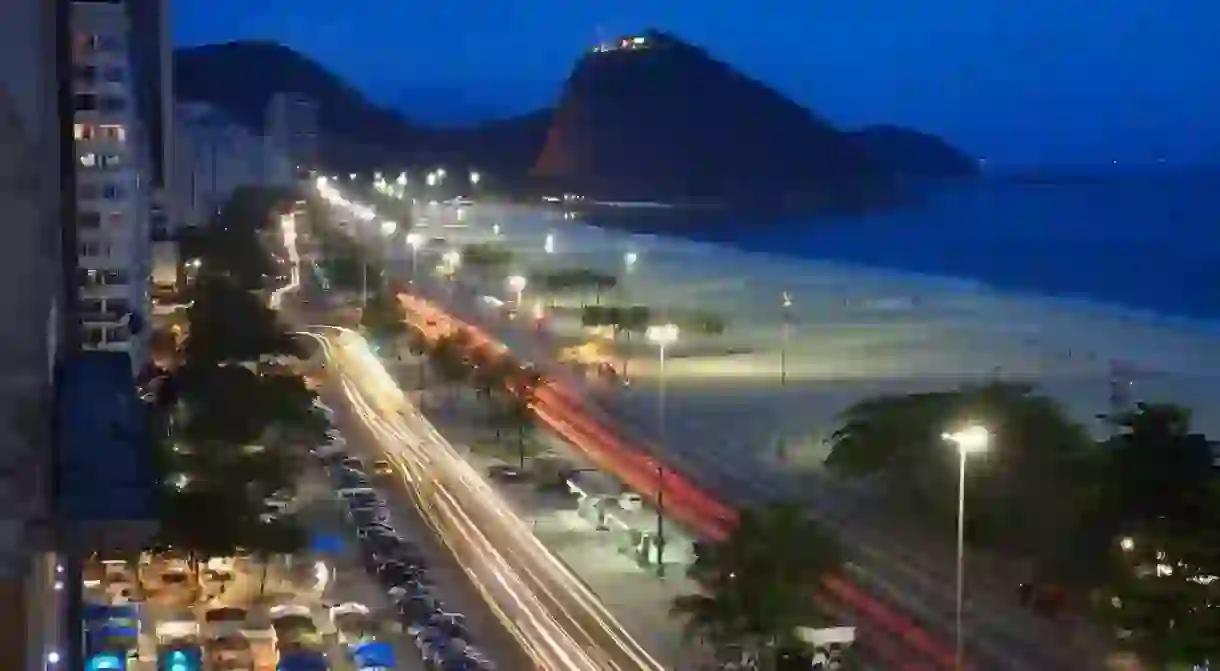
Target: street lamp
(495, 230)
(475, 178)
(663, 336)
(430, 179)
(970, 440)
(786, 303)
(629, 260)
(517, 284)
(414, 241)
(453, 259)
(402, 179)
(548, 245)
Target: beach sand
(854, 332)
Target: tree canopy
(757, 585)
(245, 421)
(486, 255)
(630, 319)
(383, 317)
(900, 438)
(573, 279)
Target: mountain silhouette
(662, 120)
(656, 118)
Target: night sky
(1028, 82)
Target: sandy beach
(853, 331)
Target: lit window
(93, 336)
(113, 131)
(84, 131)
(109, 161)
(88, 160)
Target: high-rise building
(32, 297)
(292, 129)
(214, 155)
(120, 129)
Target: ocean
(1146, 242)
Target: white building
(292, 129)
(115, 179)
(213, 155)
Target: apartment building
(291, 128)
(213, 155)
(31, 298)
(117, 180)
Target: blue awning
(106, 470)
(376, 653)
(102, 611)
(303, 661)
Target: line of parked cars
(441, 636)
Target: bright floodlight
(377, 176)
(388, 227)
(440, 173)
(430, 179)
(1127, 544)
(475, 177)
(452, 257)
(787, 299)
(549, 245)
(415, 240)
(662, 335)
(495, 230)
(516, 282)
(352, 176)
(321, 182)
(630, 258)
(970, 439)
(402, 179)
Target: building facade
(291, 128)
(120, 175)
(32, 296)
(215, 155)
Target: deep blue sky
(1048, 82)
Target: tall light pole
(517, 284)
(970, 440)
(414, 241)
(663, 336)
(786, 303)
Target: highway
(559, 623)
(896, 605)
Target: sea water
(1147, 243)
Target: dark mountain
(661, 120)
(241, 77)
(658, 118)
(914, 154)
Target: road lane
(556, 619)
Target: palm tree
(898, 439)
(758, 584)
